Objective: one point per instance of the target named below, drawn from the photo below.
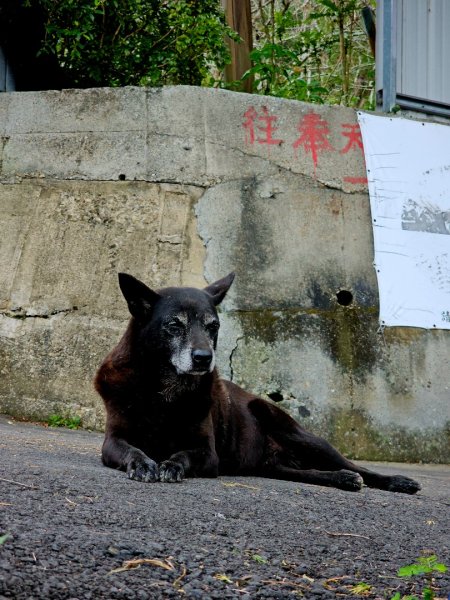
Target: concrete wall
(181, 185)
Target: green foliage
(276, 70)
(3, 538)
(425, 566)
(59, 421)
(361, 589)
(316, 51)
(259, 559)
(312, 50)
(136, 42)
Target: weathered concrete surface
(180, 186)
(329, 364)
(60, 307)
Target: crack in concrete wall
(231, 355)
(19, 313)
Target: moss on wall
(359, 437)
(336, 373)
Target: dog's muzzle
(202, 360)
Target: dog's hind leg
(317, 453)
(391, 483)
(342, 479)
(309, 451)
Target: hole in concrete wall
(344, 297)
(122, 177)
(303, 411)
(276, 396)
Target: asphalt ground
(77, 530)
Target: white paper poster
(408, 169)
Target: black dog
(170, 416)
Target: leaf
(259, 559)
(428, 594)
(223, 577)
(135, 563)
(3, 538)
(329, 4)
(361, 589)
(242, 485)
(177, 583)
(410, 570)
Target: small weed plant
(426, 566)
(59, 421)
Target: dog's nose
(201, 358)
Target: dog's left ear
(219, 288)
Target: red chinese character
(268, 128)
(353, 134)
(314, 136)
(249, 125)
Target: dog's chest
(165, 430)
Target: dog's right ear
(218, 289)
(139, 297)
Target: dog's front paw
(404, 485)
(349, 480)
(143, 469)
(171, 472)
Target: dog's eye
(213, 327)
(174, 326)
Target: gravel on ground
(79, 531)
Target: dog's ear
(219, 288)
(139, 297)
